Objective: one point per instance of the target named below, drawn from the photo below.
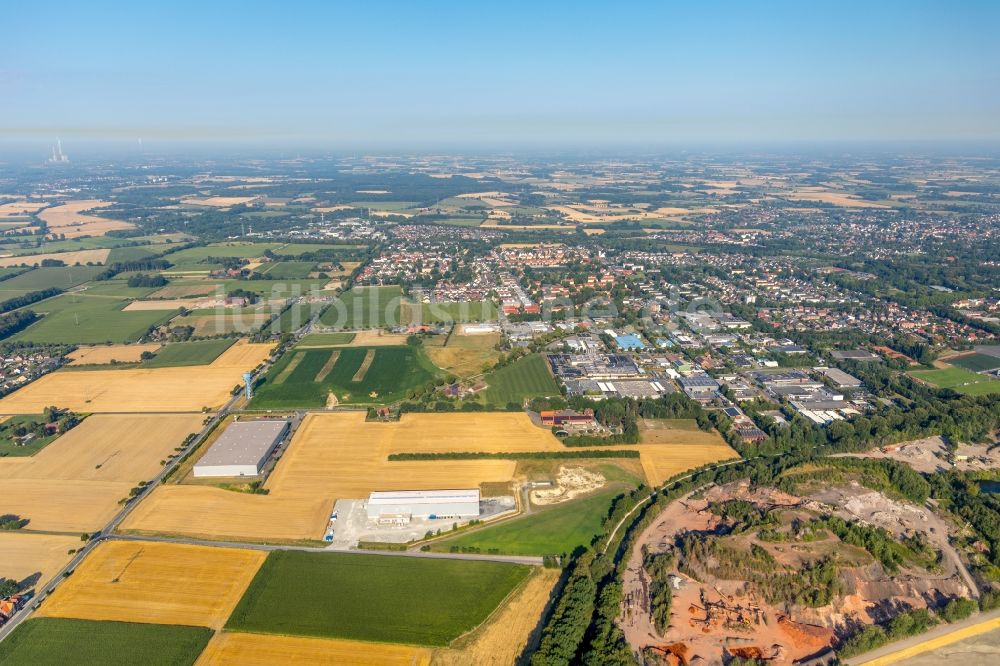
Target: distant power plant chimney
(57, 154)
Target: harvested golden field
(377, 338)
(108, 447)
(34, 557)
(186, 389)
(181, 389)
(64, 506)
(206, 511)
(68, 258)
(265, 650)
(504, 636)
(75, 483)
(104, 354)
(842, 199)
(69, 219)
(243, 355)
(14, 208)
(156, 583)
(464, 355)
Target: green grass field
(77, 318)
(326, 339)
(364, 307)
(58, 641)
(393, 371)
(295, 317)
(43, 278)
(554, 530)
(298, 249)
(373, 597)
(959, 380)
(288, 270)
(527, 377)
(196, 255)
(199, 352)
(976, 362)
(447, 312)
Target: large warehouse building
(242, 449)
(399, 506)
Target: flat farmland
(75, 483)
(64, 506)
(108, 447)
(223, 323)
(219, 251)
(325, 340)
(430, 313)
(68, 258)
(34, 557)
(288, 270)
(527, 377)
(177, 389)
(58, 641)
(503, 637)
(45, 277)
(231, 648)
(373, 597)
(156, 583)
(209, 512)
(303, 378)
(184, 290)
(79, 318)
(364, 307)
(70, 220)
(105, 354)
(201, 352)
(465, 355)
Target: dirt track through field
(327, 367)
(365, 364)
(290, 368)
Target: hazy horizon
(454, 74)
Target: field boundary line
(328, 366)
(365, 365)
(290, 368)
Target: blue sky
(495, 73)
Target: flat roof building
(398, 506)
(242, 449)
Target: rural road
(934, 638)
(511, 559)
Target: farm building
(242, 449)
(561, 417)
(399, 506)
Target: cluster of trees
(508, 455)
(658, 566)
(29, 298)
(12, 322)
(250, 296)
(11, 521)
(136, 265)
(144, 280)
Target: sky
(531, 73)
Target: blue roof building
(629, 342)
